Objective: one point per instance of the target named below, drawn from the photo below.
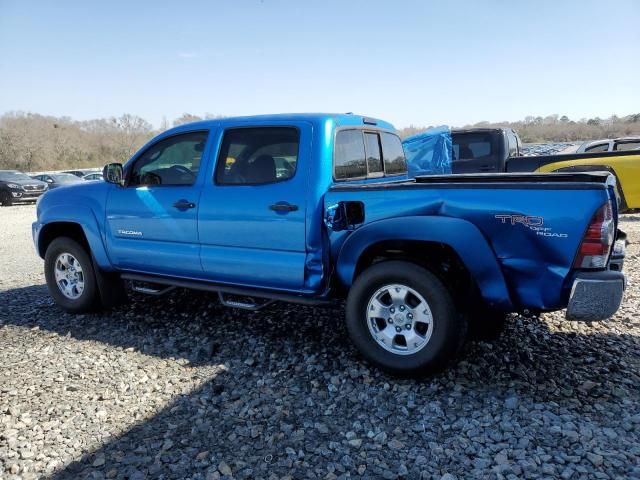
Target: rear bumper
(596, 295)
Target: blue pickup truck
(314, 208)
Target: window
(513, 143)
(172, 161)
(601, 147)
(256, 156)
(349, 155)
(623, 146)
(374, 158)
(393, 154)
(470, 146)
(362, 154)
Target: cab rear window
(363, 154)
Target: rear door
(253, 207)
(152, 221)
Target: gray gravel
(178, 387)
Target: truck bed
(517, 215)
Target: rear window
(349, 155)
(470, 146)
(393, 154)
(374, 156)
(623, 146)
(362, 154)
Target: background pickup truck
(498, 150)
(313, 208)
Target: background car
(82, 172)
(16, 187)
(94, 176)
(610, 145)
(55, 180)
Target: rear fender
(462, 236)
(82, 216)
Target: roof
(481, 129)
(340, 119)
(618, 139)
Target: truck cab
(484, 150)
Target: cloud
(188, 55)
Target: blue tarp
(429, 152)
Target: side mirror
(49, 180)
(113, 173)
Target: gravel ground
(179, 387)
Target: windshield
(14, 176)
(65, 178)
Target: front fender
(462, 236)
(81, 215)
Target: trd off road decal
(533, 223)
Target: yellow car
(624, 165)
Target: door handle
(184, 204)
(283, 207)
(485, 168)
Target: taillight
(598, 240)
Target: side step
(151, 288)
(236, 302)
(154, 284)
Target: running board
(251, 305)
(148, 289)
(225, 289)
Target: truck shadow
(307, 364)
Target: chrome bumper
(596, 295)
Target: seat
(466, 153)
(262, 170)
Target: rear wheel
(402, 319)
(70, 276)
(6, 199)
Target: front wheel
(70, 277)
(402, 319)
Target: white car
(93, 176)
(610, 145)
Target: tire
(486, 324)
(6, 199)
(85, 298)
(438, 340)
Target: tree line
(31, 142)
(556, 128)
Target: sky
(410, 62)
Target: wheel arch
(423, 239)
(80, 224)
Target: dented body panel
(518, 225)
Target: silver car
(610, 145)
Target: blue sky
(409, 62)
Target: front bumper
(596, 295)
(26, 196)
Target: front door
(252, 213)
(152, 222)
